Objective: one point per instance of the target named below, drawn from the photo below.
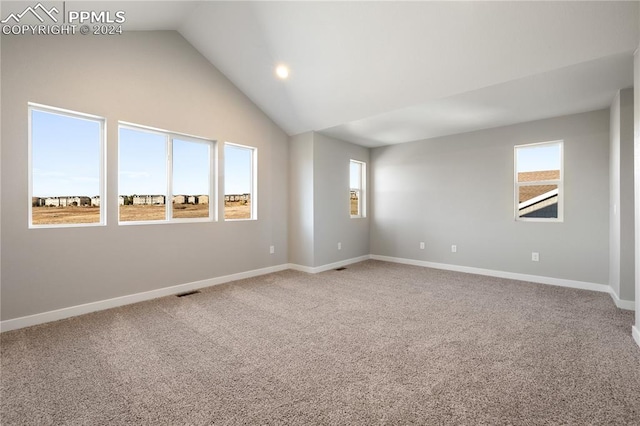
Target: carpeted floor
(377, 343)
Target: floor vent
(342, 268)
(188, 293)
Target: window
(163, 176)
(240, 201)
(66, 168)
(538, 182)
(357, 179)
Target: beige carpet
(377, 343)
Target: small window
(538, 182)
(357, 179)
(240, 182)
(163, 176)
(66, 168)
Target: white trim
(168, 198)
(302, 268)
(253, 190)
(135, 126)
(323, 268)
(41, 318)
(362, 190)
(635, 332)
(102, 166)
(629, 305)
(27, 321)
(604, 288)
(165, 222)
(559, 182)
(169, 138)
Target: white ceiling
(378, 73)
(578, 88)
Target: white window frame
(559, 182)
(362, 192)
(102, 187)
(254, 182)
(169, 137)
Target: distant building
(67, 201)
(147, 200)
(237, 197)
(81, 201)
(52, 201)
(203, 199)
(37, 202)
(179, 199)
(538, 200)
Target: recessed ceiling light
(282, 71)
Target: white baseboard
(583, 285)
(500, 274)
(635, 332)
(317, 269)
(30, 320)
(629, 305)
(27, 321)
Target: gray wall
(621, 213)
(301, 216)
(332, 218)
(614, 194)
(636, 138)
(319, 203)
(151, 78)
(459, 190)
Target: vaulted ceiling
(378, 73)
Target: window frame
(169, 137)
(559, 182)
(254, 182)
(362, 191)
(102, 186)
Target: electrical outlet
(454, 248)
(421, 245)
(272, 249)
(535, 256)
(339, 246)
